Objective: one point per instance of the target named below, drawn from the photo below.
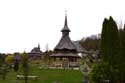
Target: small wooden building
(65, 52)
(35, 53)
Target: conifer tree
(122, 57)
(110, 50)
(104, 38)
(114, 51)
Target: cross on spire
(65, 12)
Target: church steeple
(65, 28)
(38, 46)
(65, 24)
(65, 44)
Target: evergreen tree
(110, 49)
(104, 38)
(114, 50)
(122, 57)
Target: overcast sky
(25, 23)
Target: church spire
(65, 24)
(65, 43)
(65, 28)
(38, 45)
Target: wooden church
(65, 52)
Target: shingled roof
(65, 43)
(79, 47)
(36, 50)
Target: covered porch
(66, 60)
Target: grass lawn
(48, 76)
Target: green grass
(47, 76)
